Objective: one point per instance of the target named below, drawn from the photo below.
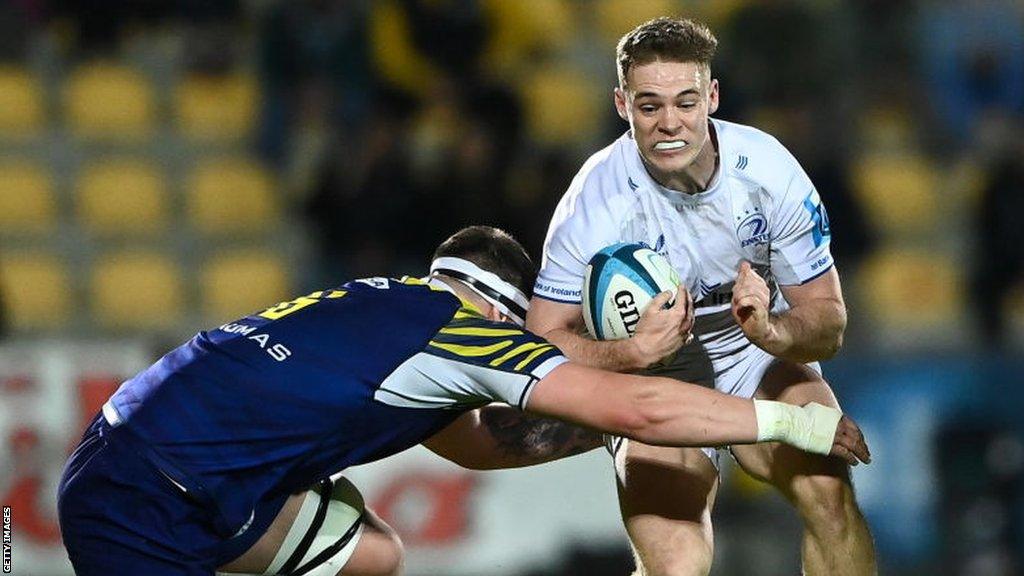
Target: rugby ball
(620, 281)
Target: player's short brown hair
(493, 250)
(665, 39)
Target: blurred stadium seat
(911, 290)
(521, 31)
(232, 197)
(395, 57)
(563, 106)
(22, 106)
(136, 290)
(898, 192)
(216, 107)
(239, 282)
(112, 102)
(122, 197)
(614, 17)
(27, 202)
(35, 289)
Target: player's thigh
(666, 496)
(784, 466)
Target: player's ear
(494, 314)
(620, 104)
(713, 96)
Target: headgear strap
(504, 296)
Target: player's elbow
(642, 417)
(837, 332)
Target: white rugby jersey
(760, 207)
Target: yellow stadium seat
(615, 17)
(521, 30)
(216, 107)
(395, 57)
(22, 111)
(910, 290)
(887, 128)
(562, 105)
(27, 202)
(232, 197)
(109, 102)
(35, 291)
(136, 290)
(898, 192)
(122, 198)
(242, 282)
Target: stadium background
(166, 166)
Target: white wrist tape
(811, 428)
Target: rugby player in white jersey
(741, 222)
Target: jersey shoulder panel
(470, 362)
(756, 157)
(796, 219)
(602, 184)
(588, 217)
(498, 345)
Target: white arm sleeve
(471, 363)
(583, 223)
(800, 235)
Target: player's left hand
(750, 304)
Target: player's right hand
(664, 326)
(849, 443)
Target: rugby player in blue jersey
(220, 456)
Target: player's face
(667, 105)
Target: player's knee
(391, 559)
(693, 561)
(380, 551)
(825, 502)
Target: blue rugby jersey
(270, 403)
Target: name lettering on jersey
(277, 351)
(232, 328)
(626, 306)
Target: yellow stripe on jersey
(478, 331)
(464, 313)
(533, 355)
(472, 351)
(536, 347)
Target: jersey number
(285, 308)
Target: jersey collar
(644, 178)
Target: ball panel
(620, 282)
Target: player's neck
(464, 293)
(697, 177)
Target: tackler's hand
(849, 443)
(664, 326)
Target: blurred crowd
(171, 164)
(388, 124)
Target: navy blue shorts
(120, 515)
